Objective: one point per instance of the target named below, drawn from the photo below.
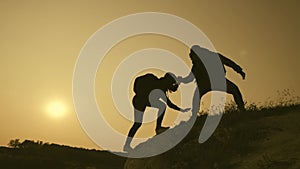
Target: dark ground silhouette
(38, 155)
(260, 138)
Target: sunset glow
(56, 109)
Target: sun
(56, 109)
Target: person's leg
(155, 99)
(161, 113)
(138, 119)
(138, 116)
(134, 128)
(235, 91)
(199, 92)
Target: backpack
(144, 84)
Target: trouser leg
(138, 117)
(199, 92)
(237, 95)
(161, 114)
(155, 99)
(134, 129)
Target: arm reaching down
(172, 105)
(175, 107)
(232, 64)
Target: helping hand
(179, 79)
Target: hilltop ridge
(265, 138)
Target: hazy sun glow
(56, 109)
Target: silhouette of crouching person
(152, 92)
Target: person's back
(201, 75)
(199, 69)
(144, 84)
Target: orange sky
(40, 42)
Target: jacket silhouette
(200, 73)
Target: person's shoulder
(151, 75)
(148, 76)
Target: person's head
(193, 56)
(198, 50)
(170, 83)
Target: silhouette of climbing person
(152, 91)
(199, 73)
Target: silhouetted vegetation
(264, 136)
(39, 155)
(239, 135)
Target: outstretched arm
(232, 64)
(175, 107)
(189, 78)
